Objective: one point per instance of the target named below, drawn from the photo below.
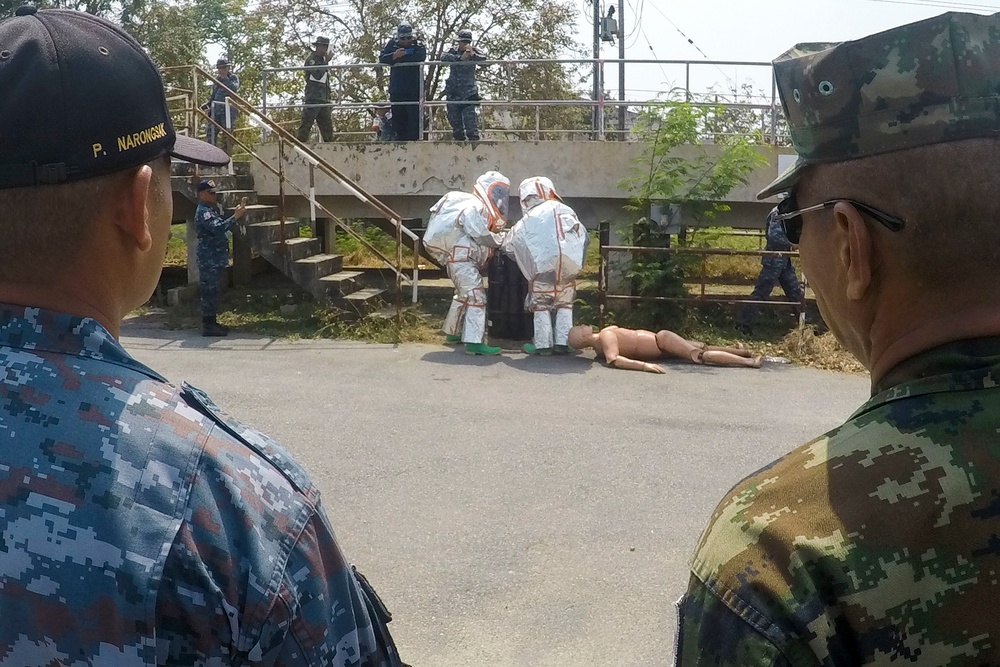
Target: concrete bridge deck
(410, 177)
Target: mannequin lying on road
(632, 349)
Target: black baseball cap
(206, 184)
(81, 99)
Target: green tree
(685, 162)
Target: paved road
(512, 511)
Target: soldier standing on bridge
(775, 270)
(461, 89)
(213, 254)
(876, 543)
(141, 524)
(404, 81)
(217, 108)
(317, 94)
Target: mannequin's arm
(634, 365)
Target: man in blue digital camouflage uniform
(461, 89)
(775, 270)
(213, 229)
(139, 524)
(216, 105)
(877, 543)
(404, 81)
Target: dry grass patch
(805, 348)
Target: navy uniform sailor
(213, 230)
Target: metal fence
(506, 114)
(605, 294)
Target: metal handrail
(598, 105)
(315, 162)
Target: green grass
(356, 254)
(293, 315)
(176, 247)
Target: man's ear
(855, 249)
(132, 210)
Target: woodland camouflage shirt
(876, 544)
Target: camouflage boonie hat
(928, 82)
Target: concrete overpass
(410, 177)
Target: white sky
(746, 30)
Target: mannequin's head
(581, 336)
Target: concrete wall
(410, 177)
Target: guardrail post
(704, 261)
(603, 239)
(774, 114)
(420, 105)
(263, 105)
(232, 130)
(281, 192)
(600, 101)
(538, 122)
(687, 81)
(416, 268)
(312, 200)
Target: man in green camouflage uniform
(878, 543)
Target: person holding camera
(213, 230)
(404, 81)
(460, 88)
(316, 99)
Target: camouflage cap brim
(785, 181)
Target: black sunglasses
(790, 215)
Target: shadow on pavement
(458, 357)
(576, 364)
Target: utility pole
(621, 69)
(597, 72)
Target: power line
(651, 50)
(942, 5)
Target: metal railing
(603, 279)
(500, 76)
(194, 116)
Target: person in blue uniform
(404, 81)
(213, 229)
(216, 106)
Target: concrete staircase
(300, 258)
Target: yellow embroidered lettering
(97, 149)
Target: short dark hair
(42, 229)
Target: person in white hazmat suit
(548, 244)
(462, 233)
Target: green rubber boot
(481, 349)
(539, 351)
(452, 338)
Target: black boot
(211, 328)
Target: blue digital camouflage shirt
(140, 525)
(875, 544)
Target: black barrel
(505, 300)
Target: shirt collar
(963, 365)
(30, 328)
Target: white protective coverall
(461, 235)
(549, 244)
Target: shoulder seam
(757, 620)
